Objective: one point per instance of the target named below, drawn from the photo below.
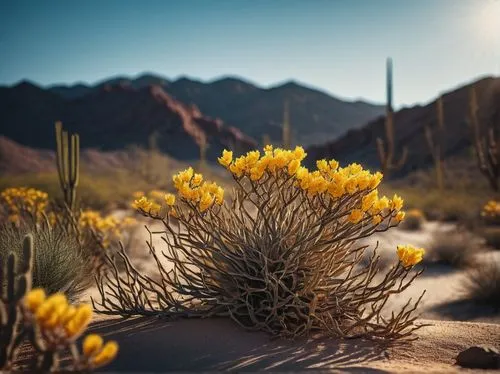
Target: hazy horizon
(337, 47)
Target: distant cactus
(435, 142)
(203, 145)
(68, 164)
(486, 148)
(15, 281)
(266, 140)
(386, 149)
(287, 130)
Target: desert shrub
(61, 264)
(414, 219)
(491, 212)
(455, 248)
(491, 235)
(451, 205)
(482, 283)
(281, 257)
(70, 246)
(50, 325)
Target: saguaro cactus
(435, 142)
(203, 145)
(14, 283)
(266, 140)
(68, 164)
(487, 153)
(287, 130)
(386, 148)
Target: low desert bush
(414, 219)
(491, 235)
(491, 213)
(451, 205)
(453, 248)
(482, 283)
(69, 246)
(61, 263)
(50, 325)
(281, 257)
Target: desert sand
(152, 345)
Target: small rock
(479, 358)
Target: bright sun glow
(487, 22)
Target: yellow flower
(142, 204)
(396, 203)
(169, 199)
(34, 299)
(206, 202)
(75, 326)
(293, 166)
(369, 200)
(409, 255)
(92, 344)
(226, 159)
(219, 196)
(376, 219)
(400, 216)
(107, 354)
(356, 215)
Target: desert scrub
(20, 204)
(413, 221)
(455, 248)
(482, 283)
(50, 325)
(280, 258)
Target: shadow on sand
(152, 345)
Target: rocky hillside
(254, 110)
(359, 145)
(114, 117)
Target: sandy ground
(151, 345)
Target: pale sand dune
(151, 345)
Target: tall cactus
(386, 148)
(287, 130)
(266, 140)
(68, 164)
(435, 142)
(487, 153)
(14, 283)
(203, 145)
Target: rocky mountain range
(255, 111)
(359, 145)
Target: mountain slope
(113, 117)
(360, 145)
(255, 111)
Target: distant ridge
(315, 115)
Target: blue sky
(338, 46)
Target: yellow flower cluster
(328, 180)
(61, 324)
(409, 255)
(108, 226)
(192, 188)
(56, 318)
(491, 209)
(19, 199)
(153, 201)
(254, 166)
